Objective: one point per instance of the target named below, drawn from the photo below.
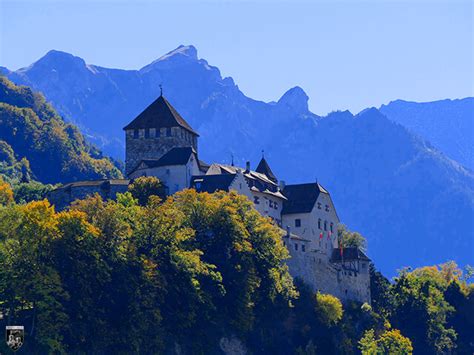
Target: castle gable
(159, 114)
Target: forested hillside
(201, 274)
(395, 187)
(35, 143)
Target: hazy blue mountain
(413, 203)
(448, 124)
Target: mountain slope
(54, 151)
(448, 124)
(411, 201)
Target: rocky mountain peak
(295, 99)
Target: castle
(159, 142)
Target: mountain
(448, 124)
(35, 140)
(413, 203)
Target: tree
(143, 187)
(389, 342)
(328, 309)
(6, 193)
(350, 239)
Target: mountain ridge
(377, 170)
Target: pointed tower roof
(264, 168)
(160, 114)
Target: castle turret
(154, 132)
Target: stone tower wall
(150, 145)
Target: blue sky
(344, 54)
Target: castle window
(135, 133)
(332, 227)
(319, 205)
(325, 225)
(147, 133)
(296, 246)
(303, 248)
(168, 132)
(256, 200)
(297, 222)
(319, 223)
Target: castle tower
(154, 132)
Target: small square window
(303, 248)
(296, 246)
(297, 222)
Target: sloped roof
(159, 114)
(351, 253)
(101, 182)
(176, 156)
(301, 197)
(264, 168)
(212, 183)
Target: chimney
(282, 185)
(247, 167)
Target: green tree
(351, 239)
(389, 342)
(143, 187)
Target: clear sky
(344, 54)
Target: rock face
(413, 203)
(448, 124)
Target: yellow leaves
(328, 309)
(6, 193)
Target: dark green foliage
(145, 186)
(192, 270)
(56, 151)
